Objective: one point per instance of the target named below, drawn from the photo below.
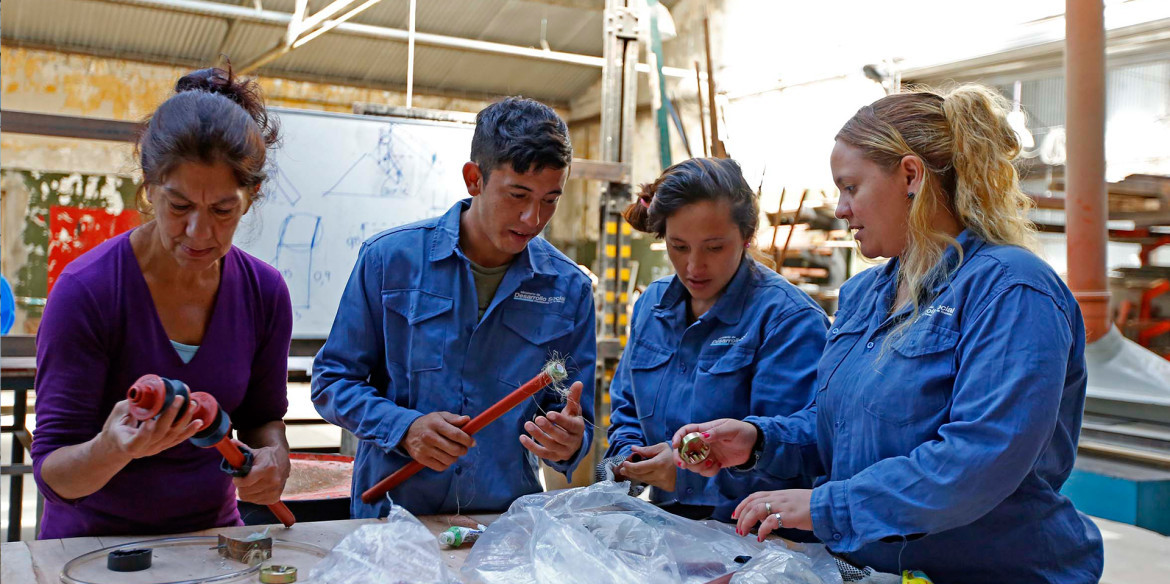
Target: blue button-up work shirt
(753, 353)
(946, 447)
(407, 341)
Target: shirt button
(682, 368)
(466, 401)
(836, 330)
(690, 490)
(458, 470)
(837, 536)
(869, 345)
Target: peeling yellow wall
(73, 84)
(81, 85)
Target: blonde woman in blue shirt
(951, 390)
(724, 336)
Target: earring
(910, 195)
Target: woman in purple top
(174, 298)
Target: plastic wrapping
(599, 534)
(400, 550)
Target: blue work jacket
(753, 353)
(407, 341)
(945, 447)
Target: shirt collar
(445, 241)
(729, 307)
(886, 282)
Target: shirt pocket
(845, 332)
(426, 335)
(915, 376)
(647, 374)
(530, 344)
(723, 388)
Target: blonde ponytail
(987, 197)
(967, 147)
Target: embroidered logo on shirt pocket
(428, 335)
(916, 377)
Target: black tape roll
(134, 560)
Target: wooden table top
(41, 562)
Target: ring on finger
(779, 520)
(768, 507)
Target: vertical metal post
(661, 102)
(1086, 204)
(619, 92)
(410, 56)
(718, 150)
(16, 481)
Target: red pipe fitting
(151, 394)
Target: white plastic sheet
(400, 550)
(599, 534)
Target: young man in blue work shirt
(443, 318)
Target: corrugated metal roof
(135, 32)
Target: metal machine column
(619, 93)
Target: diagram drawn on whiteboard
(300, 234)
(399, 167)
(278, 184)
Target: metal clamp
(624, 22)
(244, 468)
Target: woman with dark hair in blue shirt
(952, 386)
(723, 336)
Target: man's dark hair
(523, 132)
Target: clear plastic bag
(400, 550)
(599, 534)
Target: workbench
(40, 562)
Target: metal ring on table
(68, 578)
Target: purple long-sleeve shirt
(100, 333)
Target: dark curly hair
(212, 117)
(522, 132)
(691, 181)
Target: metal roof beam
(277, 18)
(301, 30)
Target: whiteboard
(335, 181)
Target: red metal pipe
(553, 372)
(1086, 203)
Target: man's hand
(557, 436)
(436, 440)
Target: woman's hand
(265, 483)
(125, 436)
(731, 443)
(656, 468)
(792, 505)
